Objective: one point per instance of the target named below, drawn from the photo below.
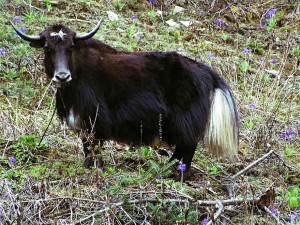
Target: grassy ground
(254, 45)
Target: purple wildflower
(138, 35)
(17, 19)
(272, 61)
(287, 133)
(2, 51)
(271, 13)
(6, 195)
(211, 55)
(247, 50)
(153, 2)
(274, 211)
(12, 160)
(298, 215)
(290, 132)
(252, 106)
(289, 219)
(205, 221)
(134, 16)
(23, 29)
(262, 58)
(219, 22)
(181, 167)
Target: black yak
(135, 97)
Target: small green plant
(176, 34)
(111, 170)
(265, 78)
(48, 5)
(158, 171)
(20, 50)
(225, 37)
(244, 66)
(249, 124)
(152, 14)
(37, 171)
(273, 17)
(26, 141)
(15, 174)
(23, 147)
(295, 51)
(146, 152)
(272, 23)
(131, 31)
(288, 151)
(126, 181)
(165, 215)
(256, 46)
(215, 169)
(31, 15)
(120, 5)
(128, 154)
(293, 197)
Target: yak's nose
(62, 76)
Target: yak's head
(58, 42)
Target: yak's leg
(186, 153)
(92, 149)
(176, 154)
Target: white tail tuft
(222, 132)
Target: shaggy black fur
(121, 91)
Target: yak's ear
(37, 44)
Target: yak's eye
(46, 48)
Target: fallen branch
(252, 165)
(31, 6)
(84, 21)
(285, 164)
(62, 198)
(220, 203)
(218, 213)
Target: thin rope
(48, 125)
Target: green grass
(48, 184)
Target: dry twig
(220, 204)
(252, 165)
(218, 213)
(285, 164)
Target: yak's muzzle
(61, 77)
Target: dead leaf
(267, 199)
(171, 23)
(112, 16)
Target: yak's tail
(222, 131)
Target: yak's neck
(78, 97)
(79, 105)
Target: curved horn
(89, 35)
(25, 36)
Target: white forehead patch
(60, 34)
